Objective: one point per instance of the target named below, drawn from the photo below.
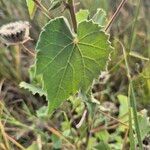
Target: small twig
(88, 134)
(58, 134)
(125, 139)
(71, 7)
(104, 128)
(4, 136)
(82, 119)
(18, 60)
(43, 9)
(115, 14)
(1, 84)
(2, 146)
(113, 118)
(113, 124)
(39, 142)
(15, 142)
(33, 54)
(114, 121)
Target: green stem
(131, 134)
(134, 26)
(133, 101)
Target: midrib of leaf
(82, 60)
(78, 66)
(67, 64)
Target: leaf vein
(61, 33)
(86, 44)
(91, 60)
(56, 56)
(57, 91)
(88, 35)
(82, 61)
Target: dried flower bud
(104, 77)
(14, 33)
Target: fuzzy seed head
(14, 33)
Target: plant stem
(131, 134)
(132, 99)
(70, 6)
(3, 134)
(59, 135)
(132, 93)
(134, 26)
(82, 119)
(32, 53)
(15, 142)
(115, 14)
(18, 60)
(42, 8)
(125, 139)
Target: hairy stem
(70, 6)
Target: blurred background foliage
(20, 109)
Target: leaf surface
(82, 15)
(70, 62)
(100, 17)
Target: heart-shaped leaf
(70, 62)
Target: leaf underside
(32, 88)
(70, 62)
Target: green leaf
(57, 142)
(31, 8)
(70, 62)
(82, 15)
(103, 135)
(32, 88)
(100, 17)
(123, 110)
(144, 124)
(102, 146)
(33, 146)
(42, 112)
(91, 143)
